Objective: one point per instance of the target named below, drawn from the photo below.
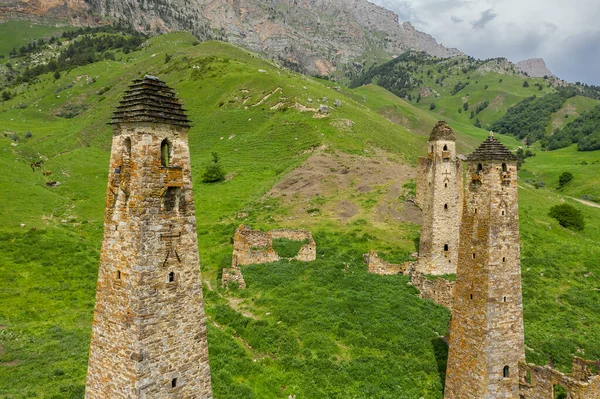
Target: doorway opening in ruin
(171, 277)
(174, 383)
(479, 167)
(445, 247)
(559, 392)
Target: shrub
(432, 106)
(565, 178)
(568, 216)
(213, 172)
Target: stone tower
(149, 333)
(486, 331)
(439, 194)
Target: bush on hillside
(564, 179)
(213, 172)
(568, 216)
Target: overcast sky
(565, 33)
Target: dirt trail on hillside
(584, 202)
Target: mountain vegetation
(325, 329)
(583, 131)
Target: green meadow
(325, 329)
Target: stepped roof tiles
(492, 150)
(150, 100)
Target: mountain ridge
(314, 36)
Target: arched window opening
(171, 277)
(165, 153)
(506, 372)
(445, 147)
(504, 168)
(504, 299)
(174, 383)
(479, 167)
(127, 150)
(446, 206)
(473, 255)
(446, 185)
(471, 297)
(118, 274)
(445, 247)
(502, 213)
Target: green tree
(466, 105)
(564, 179)
(568, 216)
(525, 84)
(432, 106)
(56, 75)
(213, 172)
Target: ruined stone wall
(252, 247)
(149, 334)
(440, 291)
(376, 265)
(256, 247)
(537, 382)
(308, 252)
(233, 275)
(439, 193)
(486, 334)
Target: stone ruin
(376, 265)
(438, 290)
(256, 247)
(540, 382)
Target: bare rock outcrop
(534, 67)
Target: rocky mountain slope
(534, 67)
(315, 36)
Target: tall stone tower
(486, 331)
(439, 194)
(149, 333)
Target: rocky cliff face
(314, 35)
(71, 11)
(534, 67)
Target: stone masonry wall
(376, 265)
(537, 382)
(149, 333)
(256, 247)
(440, 291)
(233, 275)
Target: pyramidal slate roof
(492, 150)
(150, 100)
(442, 131)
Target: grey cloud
(578, 58)
(456, 19)
(486, 17)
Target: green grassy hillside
(325, 329)
(571, 110)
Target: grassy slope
(316, 330)
(18, 33)
(572, 108)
